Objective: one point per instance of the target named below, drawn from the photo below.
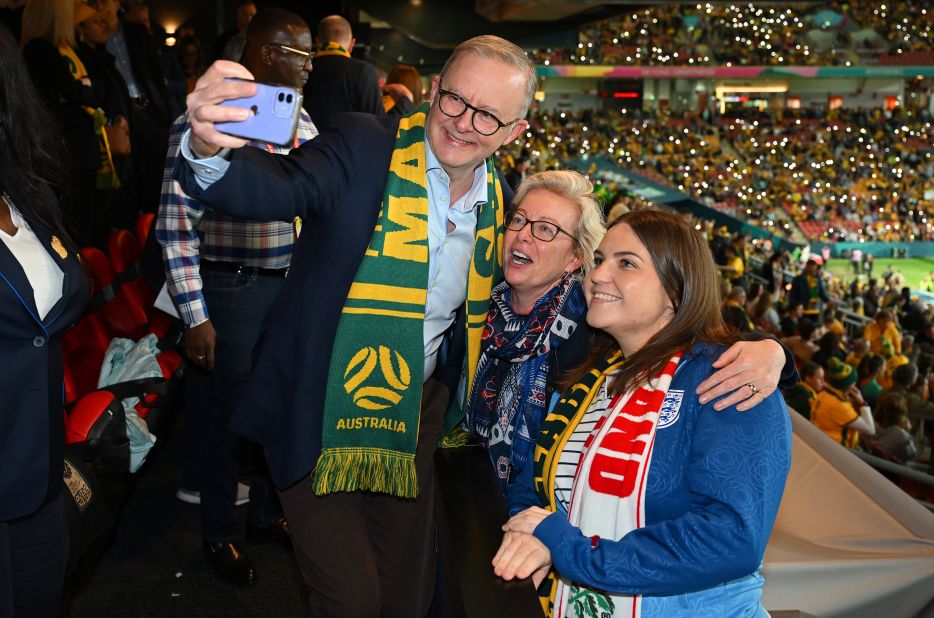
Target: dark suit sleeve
(309, 182)
(403, 107)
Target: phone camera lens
(281, 97)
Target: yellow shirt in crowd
(831, 412)
(873, 334)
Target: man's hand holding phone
(204, 109)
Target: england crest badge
(671, 408)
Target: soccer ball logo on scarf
(368, 393)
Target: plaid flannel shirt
(188, 232)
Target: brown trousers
(368, 555)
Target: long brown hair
(686, 269)
(409, 77)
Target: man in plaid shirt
(223, 274)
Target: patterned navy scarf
(507, 402)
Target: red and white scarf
(608, 495)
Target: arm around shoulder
(789, 375)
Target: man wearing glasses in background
(402, 235)
(223, 274)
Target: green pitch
(912, 269)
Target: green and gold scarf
(374, 388)
(332, 49)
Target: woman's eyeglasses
(542, 230)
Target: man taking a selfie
(400, 237)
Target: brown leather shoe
(230, 564)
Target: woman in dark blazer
(43, 290)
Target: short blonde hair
(499, 49)
(577, 189)
(49, 20)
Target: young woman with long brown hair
(640, 497)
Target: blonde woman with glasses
(535, 328)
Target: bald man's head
(335, 28)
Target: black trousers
(33, 555)
(366, 554)
(237, 303)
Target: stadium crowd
(864, 348)
(849, 175)
(835, 33)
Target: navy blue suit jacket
(32, 434)
(335, 182)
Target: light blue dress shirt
(116, 45)
(449, 253)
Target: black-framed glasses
(542, 230)
(306, 56)
(483, 122)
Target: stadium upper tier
(854, 175)
(855, 32)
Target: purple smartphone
(276, 110)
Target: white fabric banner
(847, 541)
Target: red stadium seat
(907, 58)
(125, 315)
(98, 268)
(134, 294)
(143, 225)
(124, 250)
(91, 416)
(83, 348)
(116, 310)
(85, 343)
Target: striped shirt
(188, 232)
(571, 454)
